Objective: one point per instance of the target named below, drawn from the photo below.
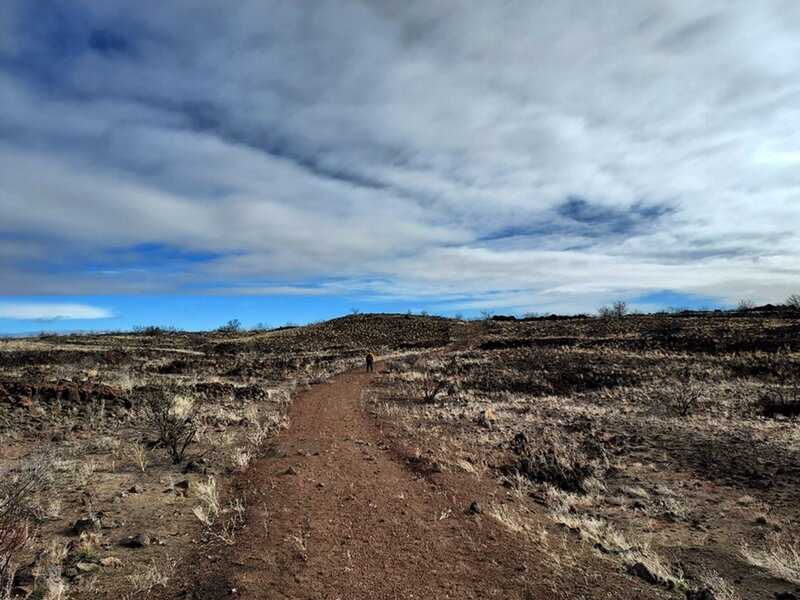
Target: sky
(188, 163)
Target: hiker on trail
(370, 360)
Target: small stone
(24, 577)
(86, 524)
(136, 489)
(475, 508)
(195, 466)
(291, 471)
(139, 540)
(182, 485)
(21, 591)
(642, 572)
(114, 524)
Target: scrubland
(665, 444)
(116, 448)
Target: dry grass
(509, 518)
(240, 458)
(722, 589)
(138, 455)
(209, 506)
(780, 557)
(149, 576)
(654, 563)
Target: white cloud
(50, 312)
(430, 147)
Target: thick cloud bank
(523, 155)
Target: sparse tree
(231, 326)
(618, 309)
(355, 311)
(745, 305)
(793, 301)
(486, 314)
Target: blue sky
(274, 161)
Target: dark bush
(169, 418)
(550, 456)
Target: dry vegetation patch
(142, 431)
(640, 433)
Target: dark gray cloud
(565, 152)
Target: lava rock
(140, 540)
(86, 524)
(641, 571)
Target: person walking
(370, 360)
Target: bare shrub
(168, 415)
(793, 301)
(684, 395)
(432, 378)
(17, 490)
(49, 581)
(550, 456)
(783, 394)
(745, 305)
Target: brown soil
(340, 508)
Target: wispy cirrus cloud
(530, 155)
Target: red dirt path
(336, 512)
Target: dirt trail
(335, 512)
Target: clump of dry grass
(240, 458)
(508, 518)
(209, 506)
(138, 455)
(720, 586)
(643, 554)
(780, 557)
(150, 576)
